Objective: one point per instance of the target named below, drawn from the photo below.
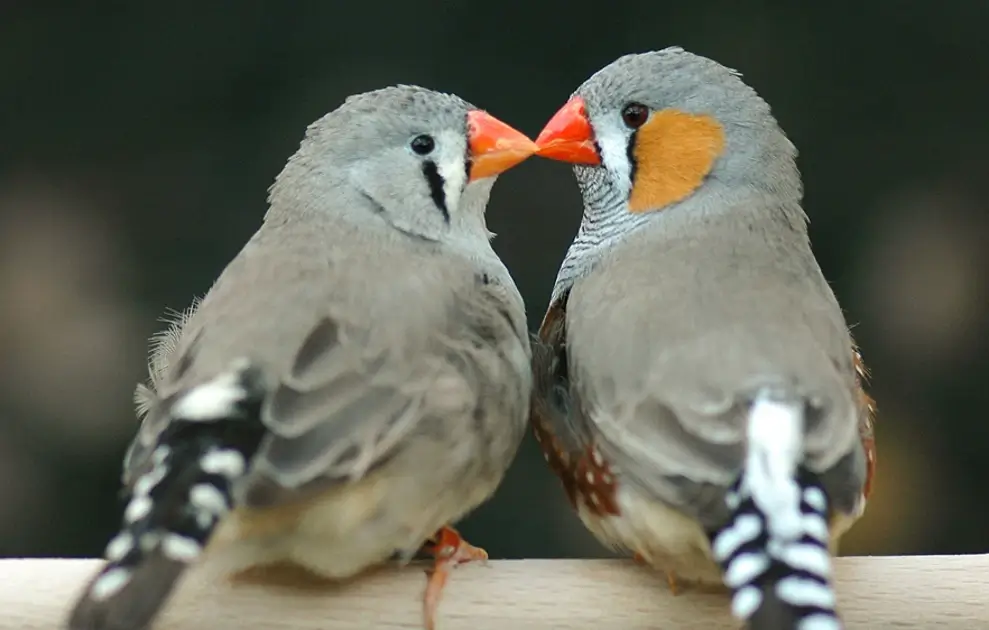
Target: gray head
(658, 129)
(422, 160)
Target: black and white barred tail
(774, 550)
(779, 584)
(175, 506)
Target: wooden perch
(921, 592)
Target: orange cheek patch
(673, 152)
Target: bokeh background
(137, 142)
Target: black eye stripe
(633, 164)
(468, 161)
(436, 190)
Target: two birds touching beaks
(360, 376)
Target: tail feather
(774, 550)
(175, 506)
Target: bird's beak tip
(568, 136)
(495, 146)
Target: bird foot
(450, 550)
(671, 577)
(671, 580)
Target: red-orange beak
(494, 146)
(568, 136)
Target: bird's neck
(605, 223)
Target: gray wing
(336, 416)
(686, 446)
(653, 449)
(352, 394)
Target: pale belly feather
(670, 541)
(345, 530)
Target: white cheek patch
(612, 139)
(451, 151)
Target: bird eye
(634, 115)
(423, 145)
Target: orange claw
(671, 579)
(449, 550)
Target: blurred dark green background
(137, 141)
